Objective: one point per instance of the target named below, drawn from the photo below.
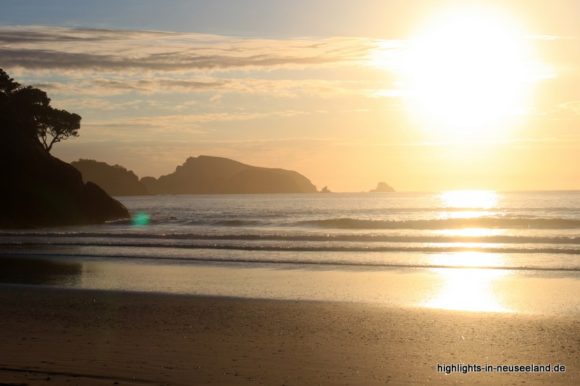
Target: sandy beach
(86, 337)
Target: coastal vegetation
(39, 189)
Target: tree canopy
(25, 111)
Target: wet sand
(88, 337)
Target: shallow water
(466, 289)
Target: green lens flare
(141, 219)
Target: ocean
(469, 250)
(537, 230)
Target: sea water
(180, 241)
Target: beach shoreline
(91, 337)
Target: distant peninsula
(216, 175)
(114, 179)
(382, 187)
(198, 175)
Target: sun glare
(469, 74)
(470, 199)
(468, 290)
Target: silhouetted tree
(26, 111)
(7, 84)
(58, 125)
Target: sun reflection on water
(480, 199)
(471, 232)
(470, 259)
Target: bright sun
(469, 73)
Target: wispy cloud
(253, 86)
(50, 48)
(77, 66)
(167, 127)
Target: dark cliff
(41, 190)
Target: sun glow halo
(469, 73)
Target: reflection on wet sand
(469, 289)
(19, 270)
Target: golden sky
(425, 95)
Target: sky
(424, 95)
